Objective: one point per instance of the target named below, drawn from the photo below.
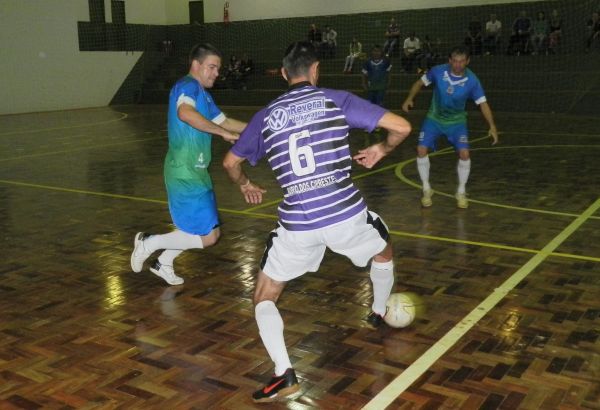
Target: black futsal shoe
(375, 320)
(279, 386)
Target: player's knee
(385, 255)
(263, 293)
(464, 154)
(267, 289)
(422, 151)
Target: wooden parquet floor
(79, 330)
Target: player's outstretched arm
(398, 129)
(414, 90)
(231, 124)
(489, 117)
(233, 166)
(189, 115)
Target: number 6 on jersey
(298, 153)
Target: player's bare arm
(188, 114)
(233, 125)
(489, 117)
(414, 90)
(233, 166)
(398, 129)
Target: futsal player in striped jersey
(453, 84)
(304, 136)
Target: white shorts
(290, 254)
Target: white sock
(382, 276)
(270, 327)
(463, 169)
(423, 167)
(176, 240)
(168, 256)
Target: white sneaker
(166, 272)
(139, 254)
(462, 201)
(426, 198)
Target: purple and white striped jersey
(304, 135)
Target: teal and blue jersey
(377, 72)
(189, 186)
(450, 94)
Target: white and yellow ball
(401, 310)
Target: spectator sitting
(493, 30)
(355, 51)
(246, 68)
(427, 56)
(540, 32)
(555, 31)
(233, 72)
(329, 42)
(392, 36)
(315, 37)
(167, 46)
(412, 50)
(474, 37)
(519, 41)
(593, 26)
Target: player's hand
(252, 193)
(370, 156)
(407, 105)
(494, 134)
(231, 136)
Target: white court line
(392, 391)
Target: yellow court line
(385, 397)
(407, 181)
(275, 217)
(119, 196)
(490, 245)
(553, 134)
(91, 124)
(43, 154)
(263, 205)
(363, 175)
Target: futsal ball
(401, 310)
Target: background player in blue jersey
(453, 85)
(376, 76)
(304, 135)
(193, 117)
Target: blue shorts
(193, 207)
(456, 134)
(376, 97)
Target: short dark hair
(460, 51)
(201, 51)
(298, 59)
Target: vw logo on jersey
(278, 119)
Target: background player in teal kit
(376, 76)
(453, 85)
(193, 117)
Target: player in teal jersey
(192, 120)
(453, 85)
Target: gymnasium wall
(159, 12)
(42, 68)
(269, 9)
